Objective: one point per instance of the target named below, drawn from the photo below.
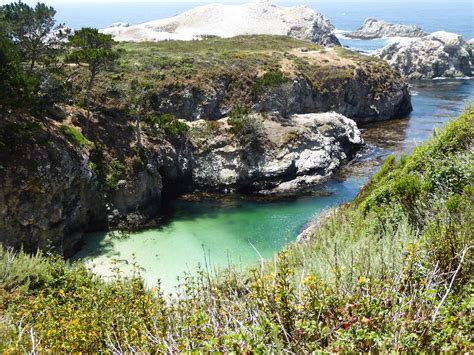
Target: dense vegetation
(391, 271)
(34, 51)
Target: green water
(234, 231)
(237, 231)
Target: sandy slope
(256, 17)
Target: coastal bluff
(225, 20)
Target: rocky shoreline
(287, 156)
(225, 20)
(65, 171)
(438, 55)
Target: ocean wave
(460, 78)
(340, 33)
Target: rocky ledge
(440, 54)
(307, 81)
(220, 20)
(54, 186)
(274, 155)
(373, 28)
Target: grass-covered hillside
(391, 271)
(236, 72)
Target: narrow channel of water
(236, 230)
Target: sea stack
(373, 28)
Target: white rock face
(120, 24)
(373, 28)
(257, 17)
(298, 152)
(440, 54)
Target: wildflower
(362, 280)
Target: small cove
(236, 230)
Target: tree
(94, 50)
(34, 31)
(16, 86)
(139, 97)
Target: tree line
(37, 55)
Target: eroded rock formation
(373, 28)
(440, 54)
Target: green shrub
(115, 171)
(384, 169)
(168, 123)
(237, 118)
(74, 136)
(269, 79)
(138, 164)
(108, 171)
(247, 127)
(16, 136)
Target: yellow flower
(309, 279)
(363, 280)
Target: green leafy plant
(168, 123)
(268, 79)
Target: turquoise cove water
(239, 231)
(231, 231)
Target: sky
(52, 2)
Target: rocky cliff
(304, 81)
(277, 155)
(221, 20)
(440, 54)
(55, 184)
(244, 120)
(373, 28)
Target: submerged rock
(373, 28)
(222, 20)
(440, 54)
(287, 155)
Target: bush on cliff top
(377, 276)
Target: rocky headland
(224, 20)
(246, 114)
(440, 54)
(373, 28)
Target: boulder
(373, 28)
(440, 54)
(287, 155)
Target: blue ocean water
(432, 15)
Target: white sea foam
(460, 78)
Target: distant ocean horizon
(452, 16)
